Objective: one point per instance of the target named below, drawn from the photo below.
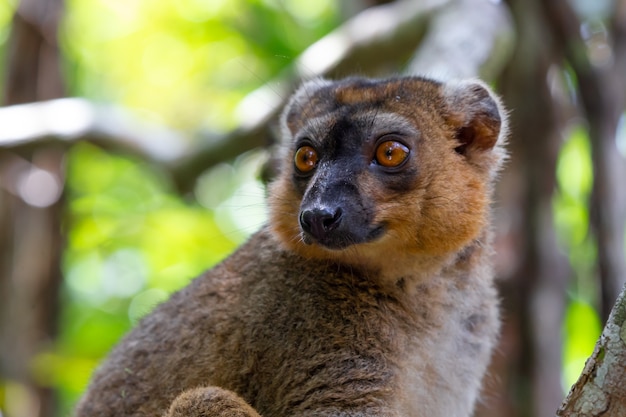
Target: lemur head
(372, 167)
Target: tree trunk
(534, 291)
(600, 390)
(30, 213)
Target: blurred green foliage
(571, 212)
(187, 63)
(130, 242)
(581, 329)
(7, 8)
(581, 326)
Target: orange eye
(305, 159)
(391, 154)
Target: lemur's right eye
(391, 154)
(305, 159)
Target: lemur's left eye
(391, 154)
(305, 159)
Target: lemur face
(338, 157)
(372, 166)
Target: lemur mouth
(377, 232)
(341, 239)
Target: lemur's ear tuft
(296, 107)
(476, 114)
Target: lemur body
(370, 292)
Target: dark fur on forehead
(321, 96)
(457, 94)
(359, 90)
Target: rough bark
(600, 390)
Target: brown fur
(400, 322)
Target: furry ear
(476, 114)
(297, 104)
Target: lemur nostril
(319, 222)
(334, 220)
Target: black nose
(319, 222)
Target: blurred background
(135, 141)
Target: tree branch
(370, 41)
(468, 38)
(600, 389)
(68, 120)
